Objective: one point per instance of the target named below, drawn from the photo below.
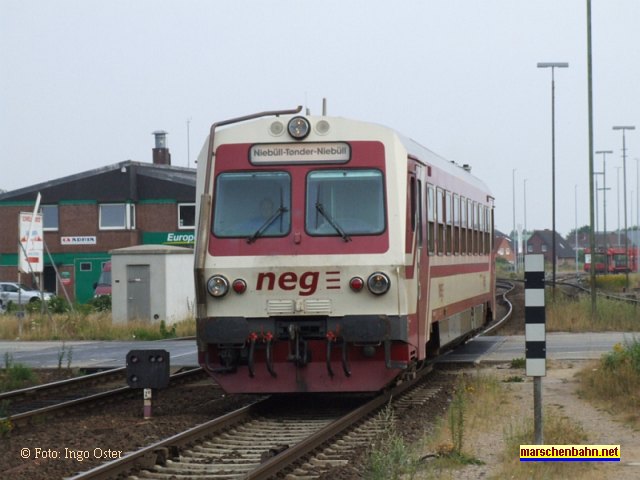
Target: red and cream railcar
(333, 255)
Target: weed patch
(614, 382)
(557, 430)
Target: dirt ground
(560, 396)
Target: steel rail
(509, 288)
(147, 457)
(36, 389)
(159, 451)
(25, 417)
(292, 454)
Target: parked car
(103, 285)
(19, 293)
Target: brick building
(88, 214)
(541, 241)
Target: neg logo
(307, 282)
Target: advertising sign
(32, 243)
(78, 240)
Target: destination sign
(333, 152)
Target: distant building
(504, 248)
(90, 213)
(541, 241)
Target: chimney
(161, 155)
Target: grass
(479, 400)
(92, 326)
(574, 315)
(15, 375)
(389, 458)
(614, 382)
(557, 430)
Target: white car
(19, 293)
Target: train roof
(422, 153)
(414, 148)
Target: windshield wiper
(266, 224)
(332, 222)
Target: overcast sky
(84, 83)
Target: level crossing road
(183, 352)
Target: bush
(101, 303)
(58, 305)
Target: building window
(85, 266)
(49, 217)
(529, 248)
(544, 248)
(117, 216)
(186, 215)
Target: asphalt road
(560, 346)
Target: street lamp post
(618, 198)
(514, 239)
(604, 206)
(575, 197)
(553, 66)
(637, 236)
(524, 232)
(624, 195)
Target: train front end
(297, 274)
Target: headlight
(217, 286)
(378, 283)
(299, 127)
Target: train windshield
(345, 202)
(252, 205)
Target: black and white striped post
(535, 333)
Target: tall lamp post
(524, 232)
(553, 66)
(604, 205)
(514, 240)
(624, 128)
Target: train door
(416, 186)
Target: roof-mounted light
(299, 128)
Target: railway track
(268, 438)
(273, 436)
(26, 405)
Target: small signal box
(148, 369)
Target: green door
(87, 272)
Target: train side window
(449, 216)
(456, 224)
(487, 229)
(479, 228)
(431, 219)
(470, 239)
(420, 226)
(492, 229)
(440, 218)
(476, 228)
(463, 225)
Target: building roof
(126, 180)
